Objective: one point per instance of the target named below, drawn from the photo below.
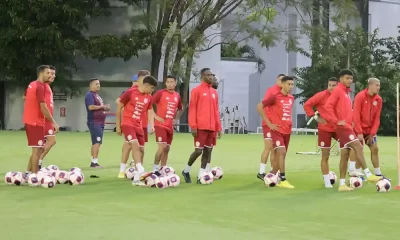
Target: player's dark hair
(345, 72)
(287, 78)
(52, 67)
(171, 76)
(333, 79)
(150, 80)
(281, 75)
(92, 80)
(202, 71)
(41, 68)
(143, 73)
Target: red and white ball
(8, 178)
(270, 180)
(162, 182)
(355, 182)
(18, 178)
(151, 180)
(75, 169)
(33, 180)
(62, 177)
(332, 177)
(130, 173)
(76, 178)
(166, 171)
(217, 172)
(383, 185)
(53, 168)
(47, 182)
(207, 178)
(174, 180)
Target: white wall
(385, 16)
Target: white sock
(378, 171)
(133, 160)
(342, 182)
(208, 167)
(187, 169)
(40, 162)
(139, 167)
(155, 167)
(359, 170)
(201, 171)
(367, 172)
(262, 168)
(122, 167)
(94, 160)
(327, 180)
(352, 166)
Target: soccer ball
(332, 177)
(151, 180)
(46, 170)
(62, 176)
(76, 178)
(167, 171)
(355, 182)
(41, 174)
(75, 169)
(17, 178)
(174, 180)
(53, 168)
(217, 172)
(270, 180)
(383, 185)
(33, 180)
(47, 182)
(207, 178)
(130, 173)
(162, 182)
(8, 178)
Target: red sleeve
(40, 92)
(330, 105)
(179, 107)
(377, 120)
(126, 96)
(312, 102)
(151, 102)
(358, 100)
(193, 109)
(218, 120)
(269, 101)
(157, 97)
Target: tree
(234, 50)
(51, 32)
(367, 55)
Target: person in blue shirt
(96, 116)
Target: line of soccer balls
(168, 177)
(383, 185)
(47, 177)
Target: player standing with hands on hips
(280, 123)
(367, 114)
(338, 111)
(204, 121)
(96, 117)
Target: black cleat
(40, 166)
(95, 165)
(261, 176)
(186, 176)
(157, 173)
(198, 181)
(383, 177)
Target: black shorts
(96, 132)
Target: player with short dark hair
(338, 111)
(96, 116)
(168, 107)
(204, 122)
(280, 124)
(366, 116)
(266, 131)
(35, 113)
(325, 131)
(135, 101)
(49, 132)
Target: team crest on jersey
(213, 95)
(176, 99)
(375, 103)
(290, 101)
(145, 100)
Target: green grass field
(237, 207)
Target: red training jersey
(168, 103)
(338, 107)
(34, 95)
(203, 108)
(48, 98)
(270, 91)
(367, 113)
(280, 107)
(318, 101)
(135, 104)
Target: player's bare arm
(118, 111)
(46, 113)
(151, 115)
(193, 112)
(95, 108)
